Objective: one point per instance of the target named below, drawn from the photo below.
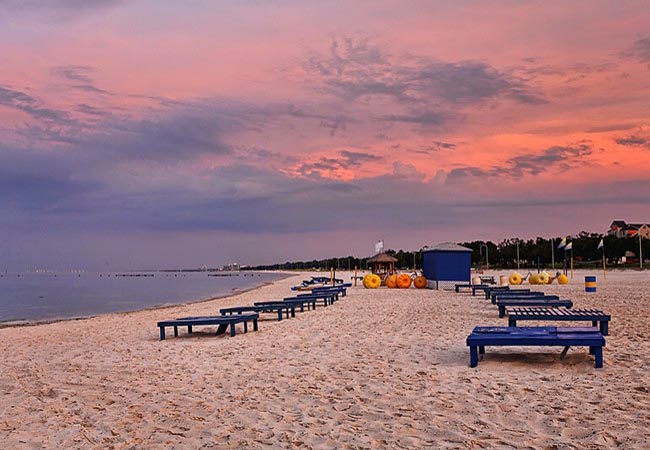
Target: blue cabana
(446, 264)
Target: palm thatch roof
(382, 258)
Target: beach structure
(446, 264)
(382, 264)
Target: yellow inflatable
(516, 278)
(404, 281)
(420, 282)
(543, 278)
(533, 278)
(562, 279)
(391, 281)
(371, 281)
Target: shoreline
(36, 322)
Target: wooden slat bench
(257, 309)
(473, 287)
(492, 290)
(338, 289)
(596, 316)
(513, 294)
(549, 301)
(482, 337)
(223, 321)
(487, 289)
(327, 297)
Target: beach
(377, 369)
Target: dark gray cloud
(634, 141)
(556, 158)
(347, 160)
(358, 70)
(24, 102)
(355, 159)
(639, 51)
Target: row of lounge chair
(525, 305)
(230, 317)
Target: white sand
(379, 369)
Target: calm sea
(36, 297)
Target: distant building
(621, 229)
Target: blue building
(446, 264)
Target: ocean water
(41, 297)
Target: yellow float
(371, 281)
(404, 281)
(533, 278)
(516, 279)
(420, 282)
(391, 281)
(543, 278)
(562, 279)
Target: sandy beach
(378, 369)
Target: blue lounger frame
(511, 294)
(595, 316)
(550, 301)
(223, 322)
(482, 337)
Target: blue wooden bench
(290, 305)
(482, 337)
(596, 316)
(549, 301)
(491, 290)
(338, 289)
(514, 294)
(473, 287)
(223, 321)
(327, 297)
(258, 309)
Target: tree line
(501, 255)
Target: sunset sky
(147, 134)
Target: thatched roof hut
(382, 263)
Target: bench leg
(594, 323)
(473, 356)
(279, 314)
(222, 328)
(245, 327)
(502, 311)
(293, 311)
(481, 350)
(189, 329)
(175, 331)
(254, 324)
(512, 322)
(604, 327)
(162, 333)
(232, 329)
(598, 353)
(592, 350)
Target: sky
(152, 134)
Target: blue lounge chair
(473, 287)
(223, 322)
(513, 294)
(279, 309)
(482, 337)
(596, 316)
(491, 290)
(549, 301)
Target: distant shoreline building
(621, 229)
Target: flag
(568, 247)
(562, 243)
(379, 246)
(600, 245)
